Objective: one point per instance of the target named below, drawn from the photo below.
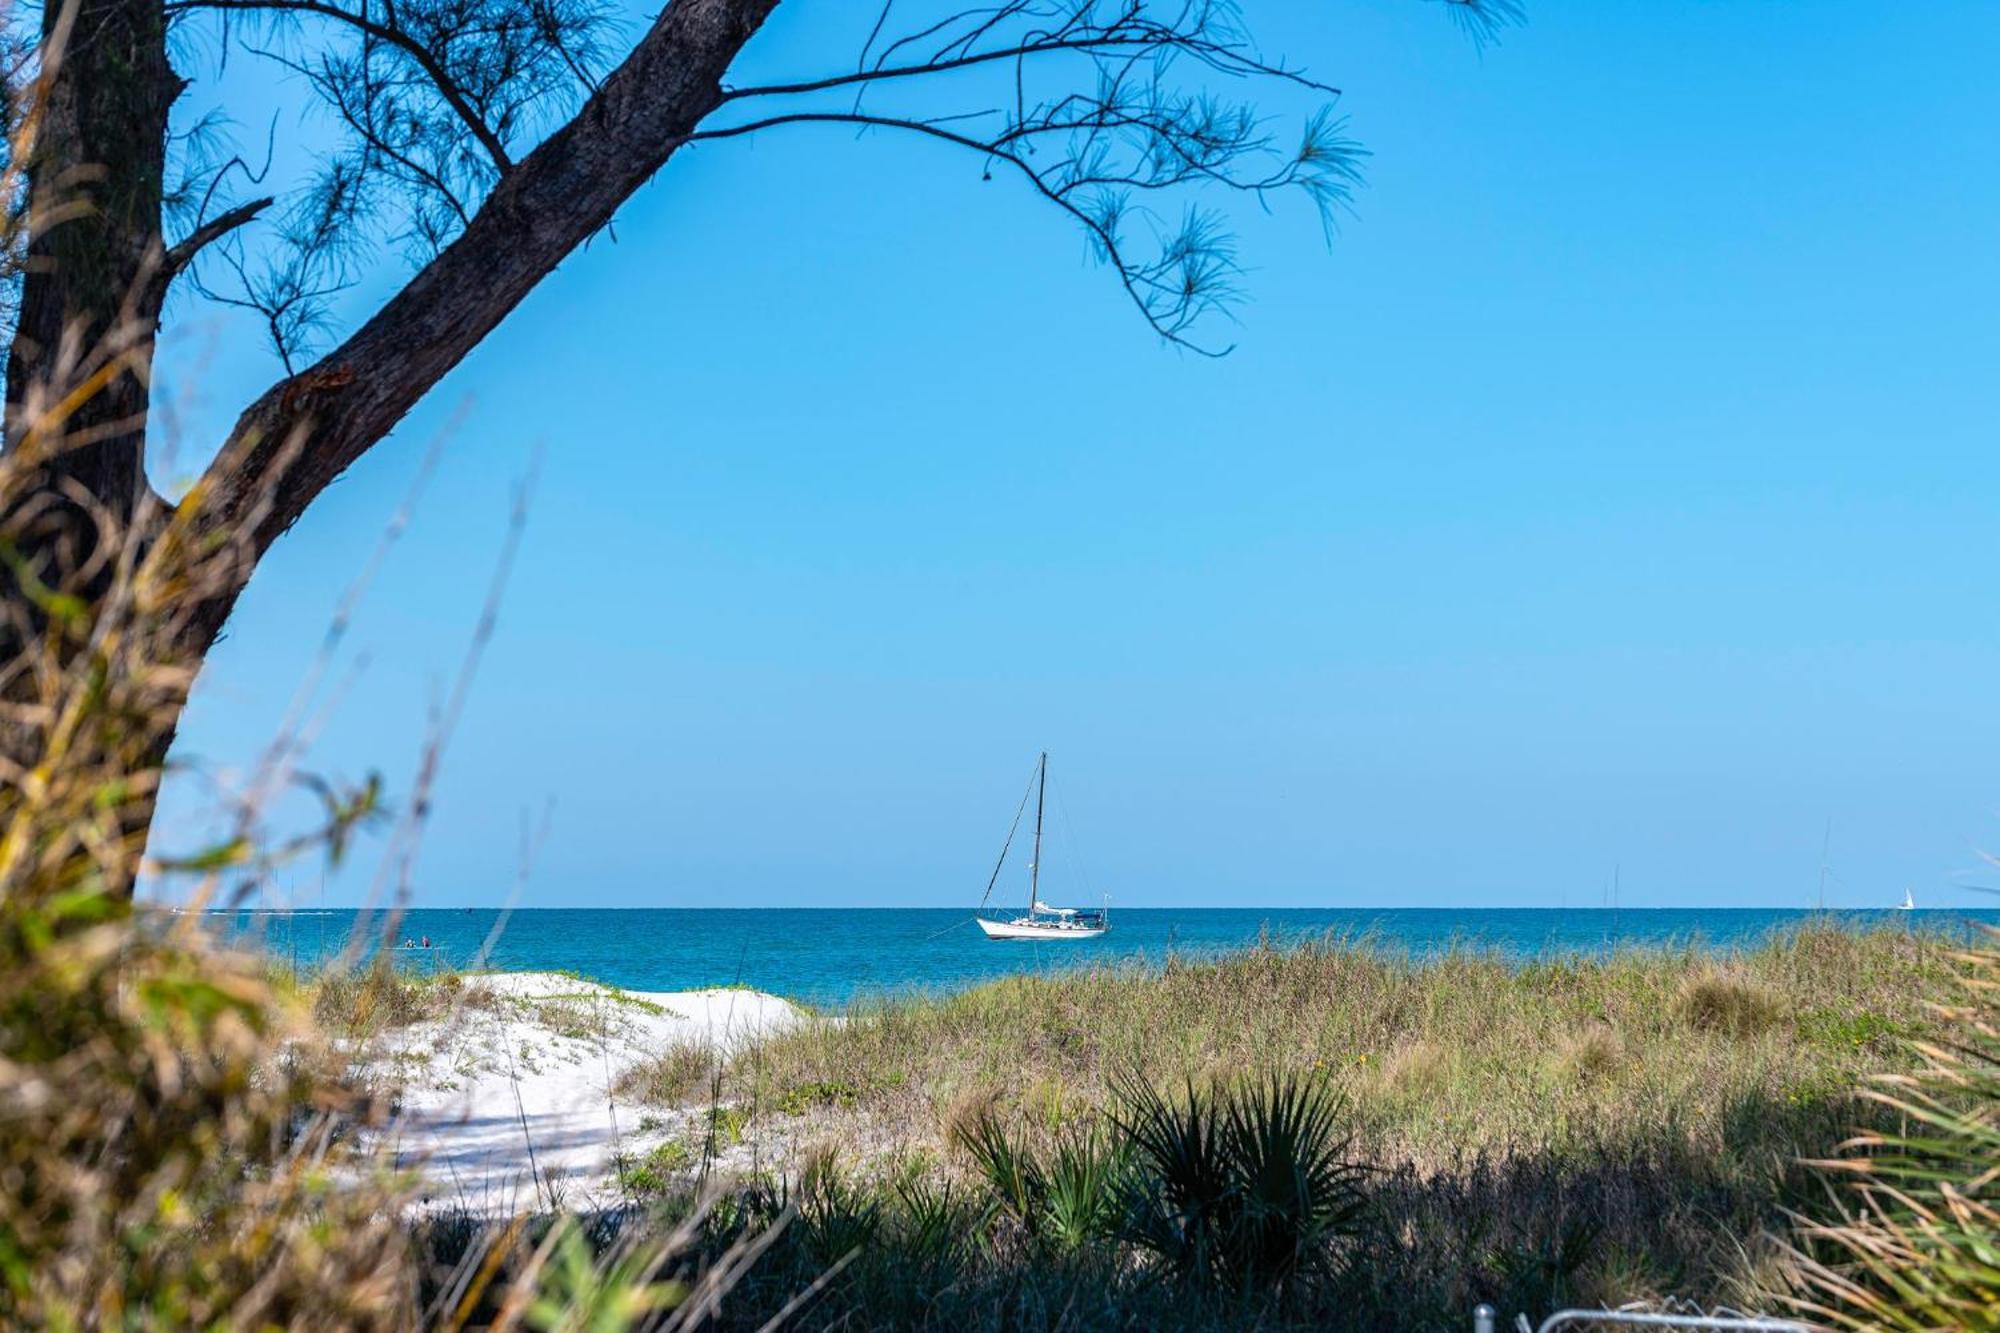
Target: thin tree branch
(425, 59)
(1210, 53)
(1134, 280)
(182, 253)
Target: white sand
(508, 1107)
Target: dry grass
(1571, 1130)
(366, 1001)
(676, 1075)
(1714, 1001)
(1457, 1054)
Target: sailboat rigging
(1041, 921)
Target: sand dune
(507, 1106)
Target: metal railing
(1485, 1319)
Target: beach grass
(1587, 1130)
(1437, 1056)
(376, 997)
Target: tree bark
(73, 488)
(95, 265)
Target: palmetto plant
(1075, 1197)
(1912, 1239)
(581, 1292)
(1085, 1187)
(1015, 1184)
(1244, 1188)
(936, 1221)
(837, 1216)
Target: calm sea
(830, 956)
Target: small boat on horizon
(1041, 921)
(1909, 903)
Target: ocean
(834, 956)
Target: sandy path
(507, 1107)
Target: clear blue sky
(1618, 488)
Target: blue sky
(1617, 489)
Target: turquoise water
(830, 956)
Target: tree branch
(447, 87)
(1210, 53)
(538, 213)
(182, 253)
(1124, 120)
(1135, 279)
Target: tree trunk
(73, 489)
(80, 365)
(91, 296)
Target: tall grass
(1438, 1057)
(1568, 1131)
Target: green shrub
(725, 1128)
(1241, 1189)
(658, 1172)
(1856, 1030)
(1086, 1187)
(803, 1097)
(838, 1217)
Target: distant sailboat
(1909, 903)
(1042, 922)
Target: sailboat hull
(1037, 930)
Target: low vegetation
(1572, 1131)
(1437, 1057)
(677, 1074)
(1908, 1237)
(368, 1000)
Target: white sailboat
(1909, 903)
(1042, 922)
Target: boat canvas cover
(1043, 907)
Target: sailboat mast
(1035, 866)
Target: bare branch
(1170, 312)
(447, 87)
(1150, 38)
(182, 253)
(1139, 122)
